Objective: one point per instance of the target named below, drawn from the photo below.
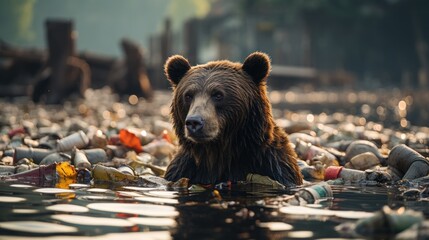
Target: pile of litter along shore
(105, 139)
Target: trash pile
(103, 139)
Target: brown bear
(222, 117)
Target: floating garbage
(130, 140)
(314, 193)
(102, 173)
(351, 175)
(362, 146)
(47, 174)
(307, 151)
(108, 160)
(264, 180)
(80, 160)
(363, 161)
(77, 139)
(385, 223)
(407, 163)
(36, 154)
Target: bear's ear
(258, 66)
(175, 68)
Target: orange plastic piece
(130, 140)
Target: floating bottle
(96, 155)
(352, 175)
(36, 154)
(77, 139)
(315, 193)
(407, 163)
(386, 223)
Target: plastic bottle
(316, 192)
(352, 175)
(77, 139)
(408, 163)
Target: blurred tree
(16, 18)
(378, 39)
(181, 10)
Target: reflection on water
(241, 212)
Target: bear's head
(218, 99)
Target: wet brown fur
(248, 140)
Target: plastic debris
(264, 180)
(315, 193)
(385, 223)
(102, 173)
(130, 140)
(407, 163)
(77, 139)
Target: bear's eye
(217, 96)
(188, 97)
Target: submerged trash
(264, 180)
(362, 146)
(386, 223)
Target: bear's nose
(194, 123)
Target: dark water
(241, 212)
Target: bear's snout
(194, 123)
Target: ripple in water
(136, 208)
